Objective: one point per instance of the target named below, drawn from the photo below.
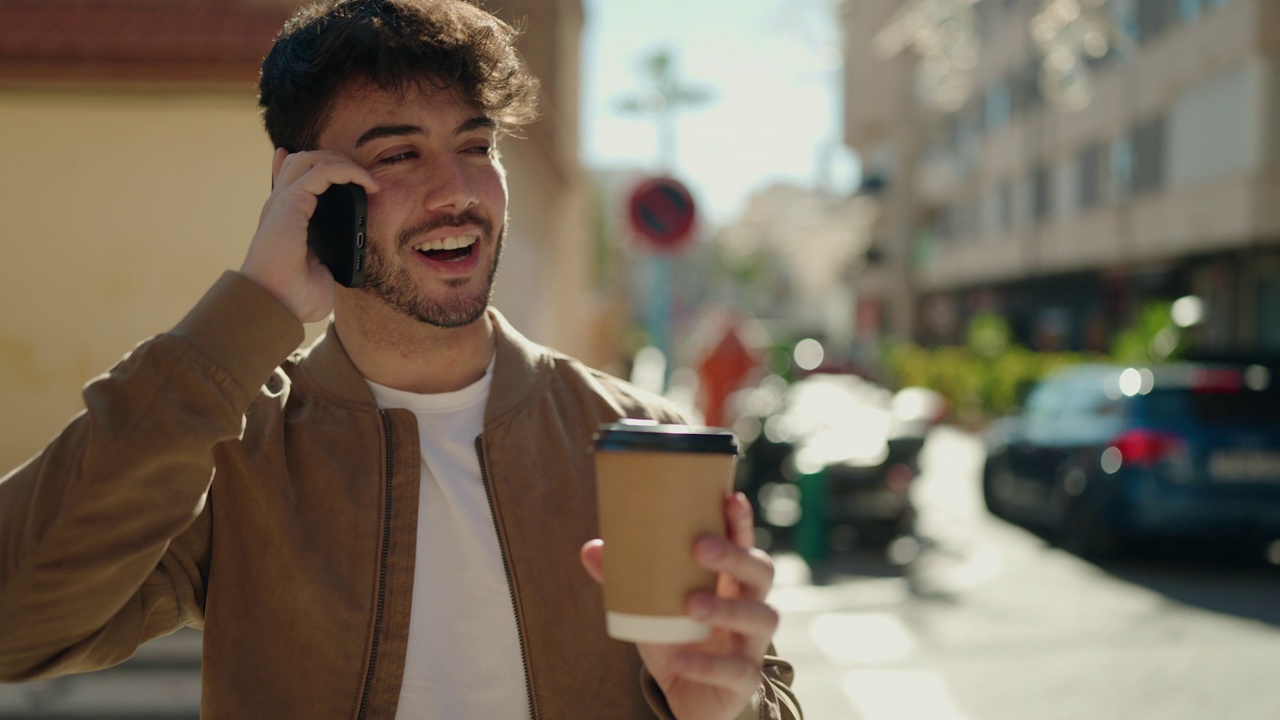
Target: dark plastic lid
(649, 435)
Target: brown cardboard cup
(659, 488)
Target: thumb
(592, 555)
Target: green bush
(984, 378)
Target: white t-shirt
(463, 659)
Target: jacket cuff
(242, 329)
(658, 701)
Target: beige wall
(121, 208)
(124, 203)
(544, 283)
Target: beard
(393, 283)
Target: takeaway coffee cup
(659, 488)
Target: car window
(1214, 408)
(1088, 413)
(1088, 397)
(1047, 399)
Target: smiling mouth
(452, 249)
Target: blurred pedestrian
(396, 521)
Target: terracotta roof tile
(136, 38)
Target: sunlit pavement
(854, 655)
(990, 622)
(851, 655)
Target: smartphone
(336, 233)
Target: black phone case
(336, 232)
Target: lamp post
(662, 97)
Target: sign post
(662, 212)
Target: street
(990, 622)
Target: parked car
(864, 440)
(1103, 455)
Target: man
(396, 522)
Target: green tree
(1153, 338)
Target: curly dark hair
(396, 45)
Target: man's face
(436, 226)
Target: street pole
(660, 101)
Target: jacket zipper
(511, 588)
(382, 572)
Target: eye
(484, 149)
(397, 158)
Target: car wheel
(877, 533)
(995, 475)
(1087, 532)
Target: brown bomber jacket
(209, 484)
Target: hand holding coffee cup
(660, 487)
(718, 676)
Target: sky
(772, 67)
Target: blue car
(1105, 455)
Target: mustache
(466, 217)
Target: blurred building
(794, 260)
(1065, 162)
(135, 168)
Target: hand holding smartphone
(336, 233)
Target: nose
(449, 186)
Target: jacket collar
(515, 371)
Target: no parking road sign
(662, 211)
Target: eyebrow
(480, 122)
(382, 131)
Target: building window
(1189, 10)
(1268, 303)
(949, 137)
(1149, 157)
(1031, 87)
(944, 225)
(1120, 177)
(1125, 14)
(1041, 193)
(965, 219)
(1022, 199)
(1064, 187)
(1091, 178)
(1154, 17)
(1024, 92)
(999, 106)
(969, 137)
(989, 221)
(1005, 205)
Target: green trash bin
(811, 530)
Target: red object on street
(662, 211)
(721, 373)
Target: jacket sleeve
(774, 699)
(104, 536)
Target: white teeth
(449, 243)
